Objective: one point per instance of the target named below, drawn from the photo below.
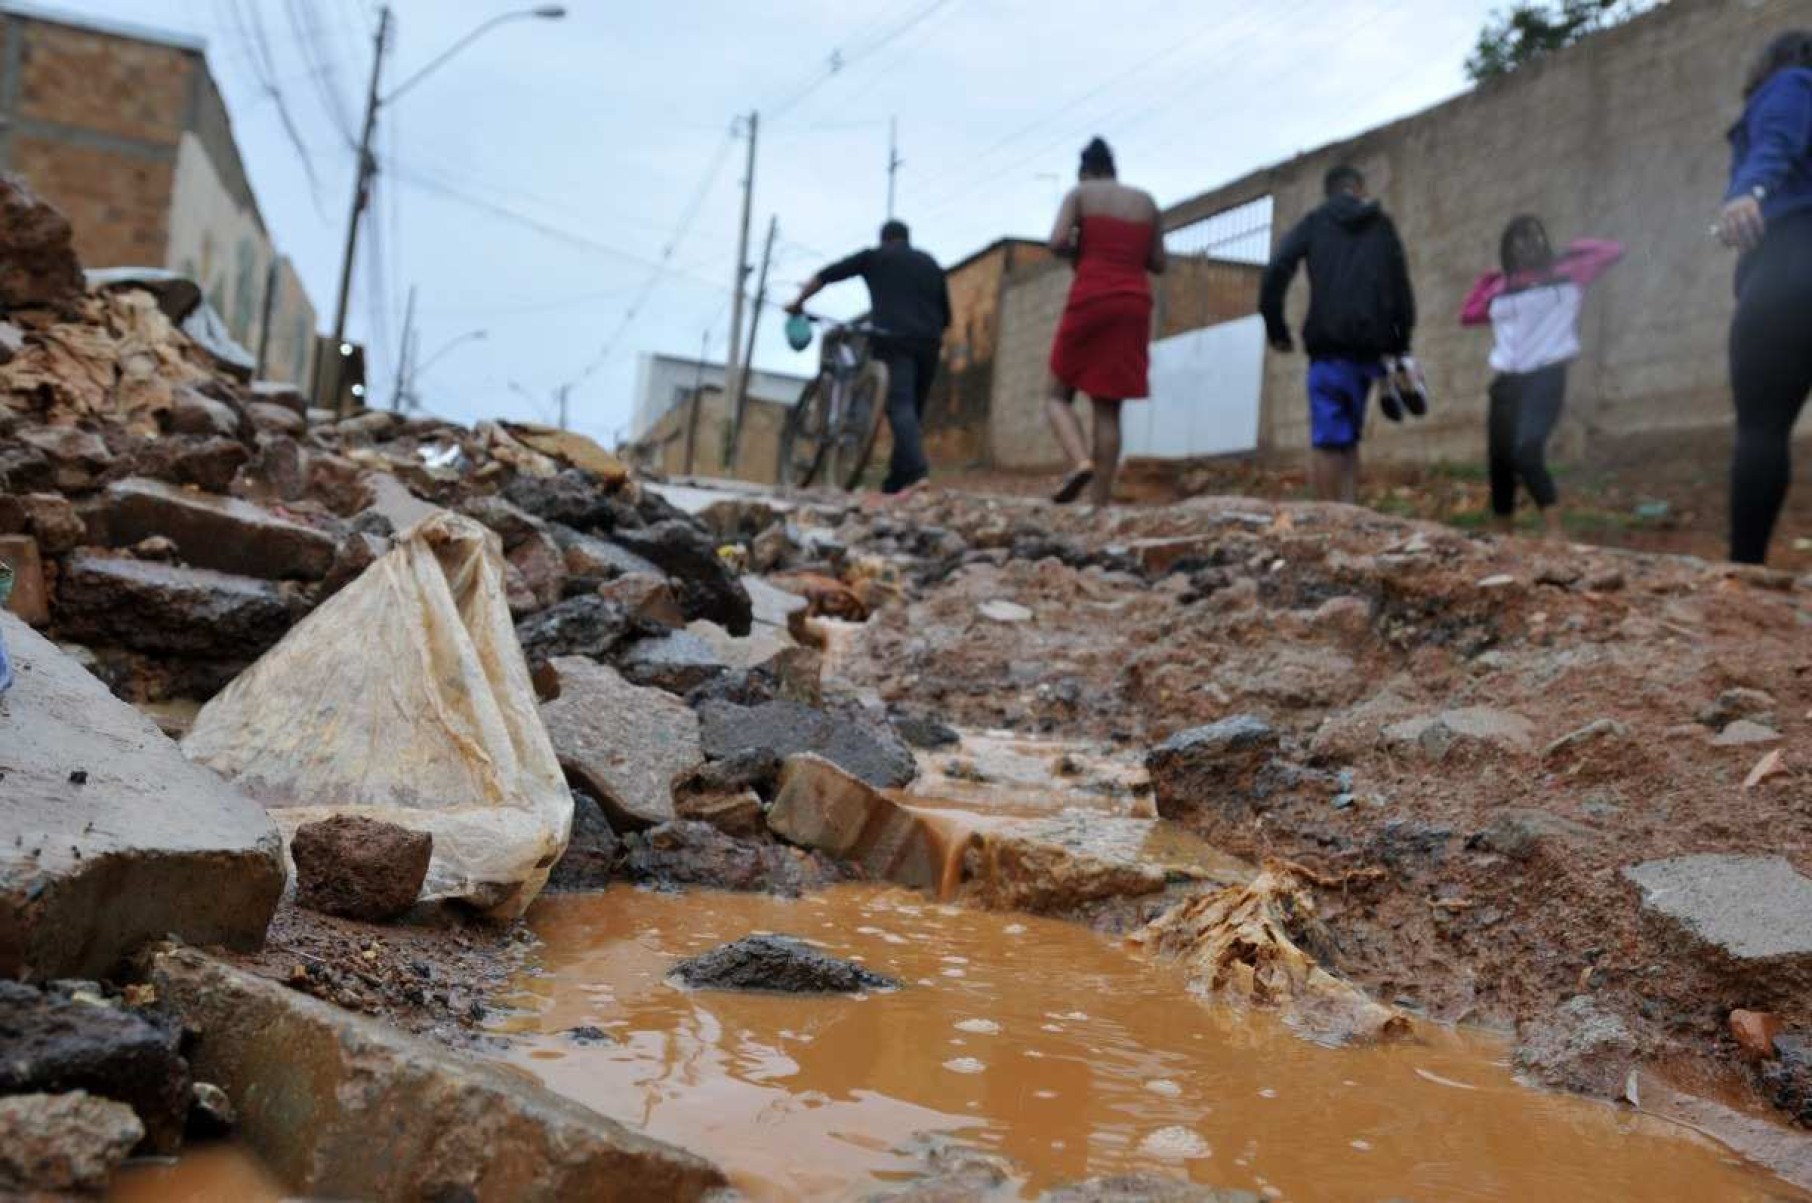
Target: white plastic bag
(405, 698)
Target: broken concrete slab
(341, 1106)
(1054, 866)
(64, 1039)
(359, 868)
(163, 608)
(871, 751)
(112, 837)
(63, 1142)
(222, 533)
(779, 965)
(623, 742)
(1752, 914)
(677, 662)
(771, 605)
(821, 806)
(1215, 766)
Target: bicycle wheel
(861, 426)
(802, 438)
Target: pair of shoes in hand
(1402, 389)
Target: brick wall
(104, 84)
(956, 412)
(117, 204)
(1620, 137)
(1196, 291)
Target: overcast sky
(533, 185)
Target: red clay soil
(1500, 893)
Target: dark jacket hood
(1352, 212)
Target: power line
(838, 61)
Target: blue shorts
(1338, 392)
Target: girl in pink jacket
(1533, 306)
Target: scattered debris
(779, 964)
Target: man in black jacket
(1361, 309)
(910, 304)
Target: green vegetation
(1526, 31)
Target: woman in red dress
(1102, 346)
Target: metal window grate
(1241, 234)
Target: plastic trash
(6, 591)
(405, 698)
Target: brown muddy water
(1048, 1044)
(219, 1173)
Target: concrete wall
(289, 351)
(956, 412)
(758, 448)
(665, 381)
(1620, 137)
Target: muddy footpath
(396, 810)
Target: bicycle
(833, 428)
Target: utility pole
(698, 392)
(731, 365)
(361, 196)
(398, 398)
(560, 395)
(893, 160)
(739, 400)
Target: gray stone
(820, 806)
(169, 610)
(1144, 1188)
(593, 559)
(145, 845)
(685, 853)
(77, 458)
(1595, 732)
(211, 1112)
(1756, 911)
(777, 964)
(708, 587)
(579, 626)
(1580, 1046)
(341, 1106)
(1734, 704)
(1745, 733)
(1473, 730)
(275, 419)
(223, 533)
(592, 850)
(868, 750)
(771, 605)
(1216, 766)
(63, 1142)
(677, 662)
(194, 413)
(622, 742)
(1519, 832)
(1788, 1077)
(64, 1039)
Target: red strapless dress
(1103, 343)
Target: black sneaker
(1388, 400)
(1412, 386)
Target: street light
(374, 99)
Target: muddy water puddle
(222, 1173)
(1047, 1044)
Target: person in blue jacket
(1767, 216)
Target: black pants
(1524, 409)
(1770, 374)
(911, 367)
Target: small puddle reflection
(1043, 1042)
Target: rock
(29, 599)
(1734, 704)
(1580, 1046)
(1057, 866)
(12, 341)
(543, 567)
(1002, 611)
(572, 449)
(279, 392)
(222, 533)
(572, 498)
(145, 846)
(681, 854)
(356, 552)
(708, 587)
(38, 264)
(592, 850)
(271, 418)
(1144, 1188)
(1749, 913)
(763, 648)
(756, 769)
(924, 731)
(1755, 1032)
(195, 413)
(1745, 733)
(645, 596)
(211, 464)
(1471, 731)
(954, 1173)
(598, 560)
(624, 743)
(771, 605)
(211, 1112)
(820, 806)
(359, 868)
(1594, 732)
(63, 1142)
(733, 813)
(1788, 1078)
(579, 626)
(56, 1041)
(341, 1106)
(47, 517)
(853, 743)
(1519, 832)
(777, 964)
(77, 458)
(677, 662)
(374, 425)
(1214, 766)
(164, 609)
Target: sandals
(1072, 486)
